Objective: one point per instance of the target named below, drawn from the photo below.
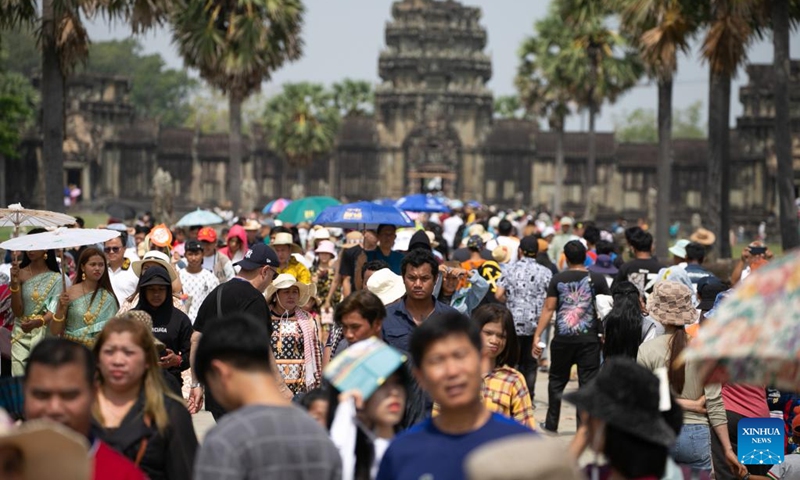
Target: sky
(344, 37)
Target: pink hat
(326, 246)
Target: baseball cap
(207, 234)
(529, 246)
(257, 256)
(193, 246)
(475, 243)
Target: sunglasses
(113, 249)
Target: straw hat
(352, 239)
(154, 256)
(501, 254)
(48, 450)
(284, 238)
(514, 454)
(387, 285)
(703, 237)
(252, 225)
(286, 280)
(671, 304)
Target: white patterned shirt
(525, 282)
(197, 286)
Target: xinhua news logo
(761, 441)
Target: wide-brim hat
(353, 239)
(326, 246)
(626, 396)
(49, 450)
(154, 256)
(703, 237)
(671, 304)
(501, 254)
(252, 225)
(284, 238)
(286, 280)
(387, 285)
(552, 461)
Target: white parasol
(17, 216)
(59, 239)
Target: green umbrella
(306, 209)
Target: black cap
(529, 246)
(259, 255)
(192, 246)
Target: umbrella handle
(63, 276)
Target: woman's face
(450, 283)
(319, 412)
(494, 339)
(289, 297)
(234, 244)
(155, 295)
(35, 255)
(94, 267)
(122, 361)
(325, 257)
(388, 404)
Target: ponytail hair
(677, 374)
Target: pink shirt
(748, 401)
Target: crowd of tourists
(324, 353)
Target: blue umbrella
(385, 201)
(362, 215)
(199, 218)
(421, 203)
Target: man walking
(216, 263)
(523, 288)
(197, 282)
(643, 269)
(242, 294)
(576, 339)
(264, 436)
(123, 280)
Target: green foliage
(509, 107)
(353, 97)
(640, 125)
(19, 52)
(156, 91)
(18, 100)
(302, 122)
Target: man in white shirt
(123, 280)
(197, 282)
(450, 228)
(506, 239)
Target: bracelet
(195, 385)
(55, 318)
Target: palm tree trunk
(559, 187)
(718, 205)
(664, 167)
(53, 112)
(591, 164)
(235, 149)
(790, 237)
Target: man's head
(194, 253)
(386, 236)
(207, 236)
(230, 351)
(641, 241)
(604, 247)
(695, 253)
(575, 253)
(528, 247)
(370, 239)
(360, 316)
(419, 270)
(566, 224)
(504, 228)
(59, 384)
(140, 233)
(115, 250)
(591, 234)
(446, 351)
(371, 267)
(259, 266)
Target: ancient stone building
(432, 130)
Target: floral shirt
(525, 282)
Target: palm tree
(64, 42)
(302, 123)
(509, 107)
(790, 238)
(661, 28)
(237, 45)
(353, 97)
(545, 86)
(601, 59)
(731, 27)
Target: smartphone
(758, 250)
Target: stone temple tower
(433, 108)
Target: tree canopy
(640, 125)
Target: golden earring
(83, 276)
(45, 255)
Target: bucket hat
(626, 396)
(387, 285)
(679, 249)
(154, 256)
(284, 238)
(326, 246)
(603, 265)
(671, 304)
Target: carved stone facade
(432, 131)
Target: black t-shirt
(576, 319)
(639, 271)
(347, 264)
(238, 296)
(176, 335)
